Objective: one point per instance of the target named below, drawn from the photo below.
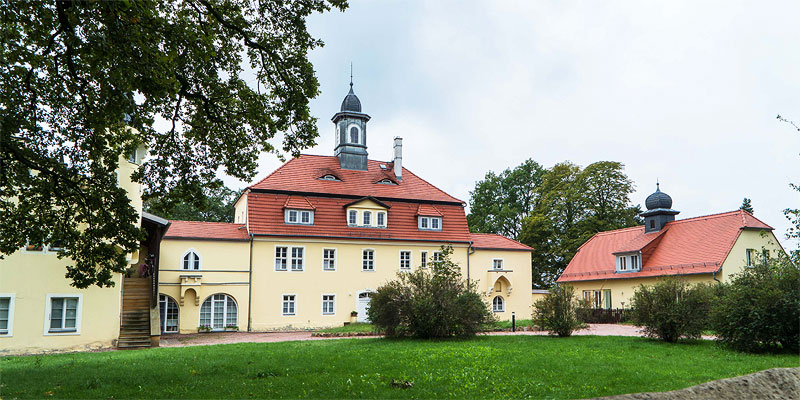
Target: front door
(362, 305)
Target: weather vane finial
(658, 187)
(351, 74)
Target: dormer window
(299, 217)
(329, 177)
(352, 217)
(367, 219)
(381, 219)
(629, 263)
(430, 223)
(386, 182)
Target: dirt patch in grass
(775, 383)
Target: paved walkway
(198, 339)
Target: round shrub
(433, 302)
(558, 312)
(759, 309)
(672, 309)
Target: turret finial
(351, 74)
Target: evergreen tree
(746, 205)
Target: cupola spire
(351, 131)
(659, 210)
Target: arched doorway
(362, 305)
(168, 308)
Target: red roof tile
(688, 246)
(428, 210)
(265, 213)
(206, 230)
(298, 203)
(301, 175)
(491, 241)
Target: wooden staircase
(134, 330)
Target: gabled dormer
(629, 262)
(298, 211)
(429, 218)
(367, 212)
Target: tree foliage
(558, 312)
(759, 309)
(672, 309)
(746, 206)
(216, 205)
(431, 302)
(82, 83)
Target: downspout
(250, 287)
(470, 251)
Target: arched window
(354, 133)
(219, 311)
(191, 260)
(168, 308)
(498, 304)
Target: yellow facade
(621, 290)
(32, 278)
(225, 267)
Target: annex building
(607, 268)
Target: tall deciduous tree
(215, 206)
(83, 82)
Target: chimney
(398, 158)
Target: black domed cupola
(351, 133)
(659, 211)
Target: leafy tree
(672, 309)
(746, 206)
(500, 202)
(215, 206)
(793, 214)
(432, 302)
(574, 204)
(558, 312)
(82, 83)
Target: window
(328, 301)
(34, 248)
(191, 261)
(634, 262)
(328, 259)
(352, 217)
(623, 263)
(168, 310)
(219, 311)
(597, 299)
(303, 217)
(381, 219)
(367, 219)
(132, 157)
(424, 256)
(750, 253)
(430, 223)
(765, 255)
(607, 299)
(281, 258)
(57, 245)
(354, 134)
(652, 224)
(368, 260)
(587, 296)
(63, 314)
(329, 177)
(386, 182)
(498, 304)
(6, 314)
(297, 258)
(289, 305)
(405, 260)
(497, 264)
(437, 256)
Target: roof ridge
(205, 222)
(707, 216)
(619, 230)
(433, 186)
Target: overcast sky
(684, 92)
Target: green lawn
(486, 367)
(358, 327)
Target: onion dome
(351, 102)
(658, 199)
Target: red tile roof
(206, 230)
(265, 213)
(301, 175)
(427, 210)
(689, 246)
(491, 241)
(298, 203)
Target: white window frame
(293, 301)
(334, 260)
(437, 255)
(366, 218)
(502, 264)
(358, 128)
(425, 224)
(749, 258)
(26, 251)
(211, 315)
(502, 307)
(285, 258)
(9, 332)
(364, 260)
(163, 322)
(354, 220)
(292, 258)
(298, 216)
(78, 314)
(635, 262)
(409, 260)
(378, 216)
(424, 258)
(198, 260)
(329, 177)
(332, 301)
(622, 264)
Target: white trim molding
(78, 314)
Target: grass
(358, 327)
(507, 324)
(485, 367)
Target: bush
(672, 308)
(558, 312)
(430, 303)
(759, 310)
